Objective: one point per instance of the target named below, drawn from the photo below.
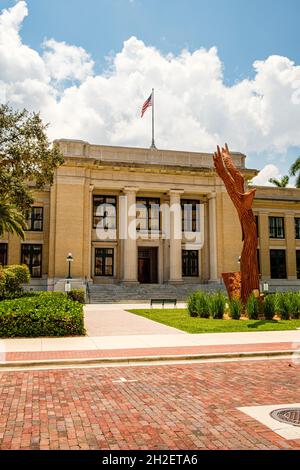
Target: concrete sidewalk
(120, 334)
(115, 320)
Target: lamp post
(70, 259)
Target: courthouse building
(64, 220)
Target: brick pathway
(144, 352)
(164, 407)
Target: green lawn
(179, 318)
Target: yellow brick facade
(170, 176)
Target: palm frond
(11, 220)
(295, 167)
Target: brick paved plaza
(185, 406)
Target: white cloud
(195, 110)
(269, 171)
(65, 62)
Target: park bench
(163, 302)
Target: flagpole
(153, 142)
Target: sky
(223, 70)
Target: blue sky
(242, 30)
(215, 99)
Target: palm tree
(295, 170)
(282, 183)
(11, 220)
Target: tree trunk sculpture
(234, 183)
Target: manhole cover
(287, 415)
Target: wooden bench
(163, 302)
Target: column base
(175, 281)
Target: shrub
(283, 305)
(192, 305)
(269, 307)
(236, 308)
(77, 294)
(45, 314)
(217, 305)
(202, 304)
(294, 309)
(252, 307)
(198, 304)
(12, 279)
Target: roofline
(84, 142)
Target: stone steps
(118, 293)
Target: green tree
(11, 220)
(282, 183)
(295, 171)
(27, 158)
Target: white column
(130, 247)
(175, 236)
(212, 237)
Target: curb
(142, 359)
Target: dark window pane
(104, 261)
(3, 254)
(31, 255)
(297, 228)
(190, 263)
(278, 264)
(298, 263)
(104, 211)
(258, 260)
(276, 227)
(190, 210)
(148, 214)
(35, 219)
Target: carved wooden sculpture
(234, 183)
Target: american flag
(146, 105)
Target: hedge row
(43, 314)
(12, 279)
(286, 305)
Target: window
(258, 260)
(276, 227)
(35, 219)
(147, 214)
(104, 261)
(298, 263)
(190, 263)
(3, 254)
(104, 210)
(32, 256)
(190, 210)
(278, 264)
(297, 228)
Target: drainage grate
(287, 415)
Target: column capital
(130, 189)
(176, 192)
(211, 195)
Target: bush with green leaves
(269, 307)
(235, 308)
(283, 305)
(252, 307)
(202, 304)
(198, 304)
(12, 278)
(217, 303)
(294, 307)
(77, 294)
(44, 314)
(191, 305)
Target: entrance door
(147, 265)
